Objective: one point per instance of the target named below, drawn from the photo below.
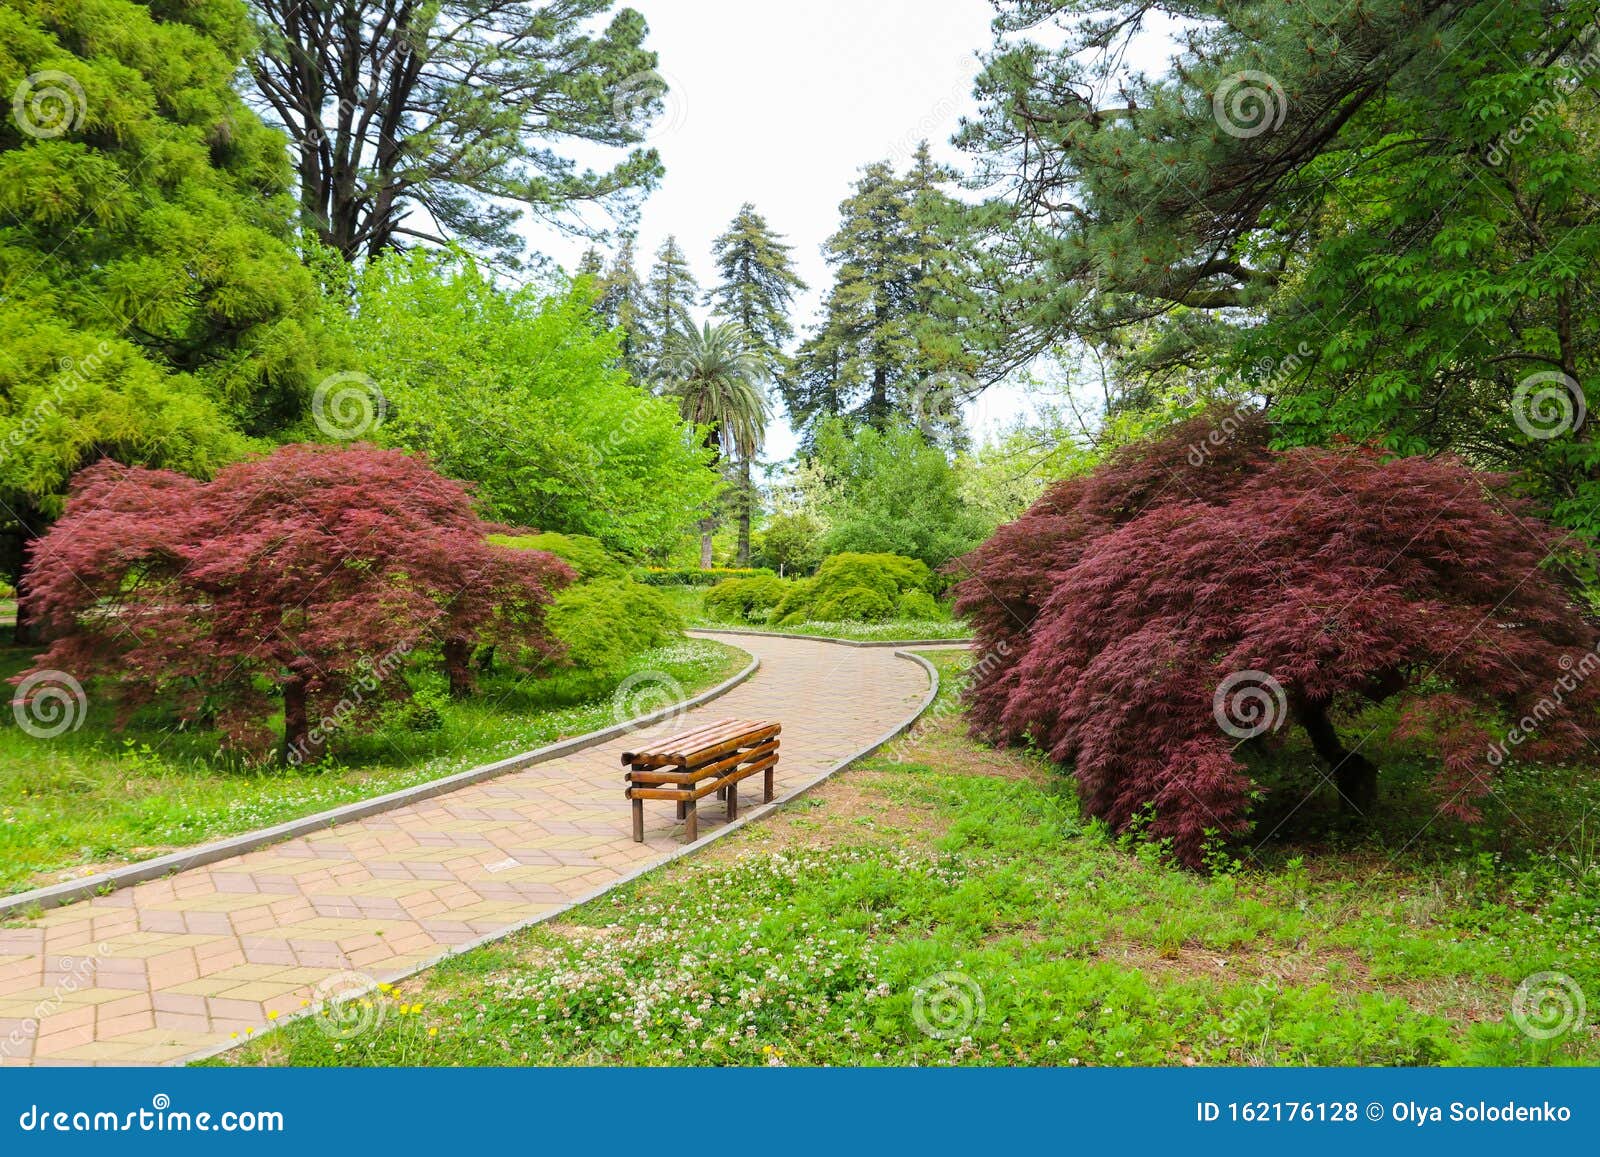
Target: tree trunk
(299, 748)
(707, 527)
(1354, 774)
(458, 667)
(30, 525)
(746, 501)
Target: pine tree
(156, 310)
(758, 285)
(887, 327)
(757, 288)
(621, 304)
(668, 297)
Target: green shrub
(588, 556)
(858, 604)
(423, 712)
(792, 607)
(746, 600)
(694, 576)
(605, 623)
(918, 605)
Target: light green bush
(745, 600)
(603, 624)
(854, 604)
(587, 556)
(918, 605)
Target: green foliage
(588, 556)
(444, 123)
(1387, 221)
(694, 576)
(791, 541)
(605, 623)
(854, 587)
(918, 604)
(757, 286)
(888, 343)
(669, 295)
(521, 394)
(890, 491)
(156, 310)
(745, 600)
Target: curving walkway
(174, 967)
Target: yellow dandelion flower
(272, 1016)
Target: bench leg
(733, 801)
(767, 776)
(638, 821)
(691, 821)
(680, 809)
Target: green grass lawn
(95, 797)
(689, 601)
(945, 903)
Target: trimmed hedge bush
(919, 605)
(685, 576)
(745, 600)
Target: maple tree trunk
(30, 525)
(298, 747)
(1354, 774)
(458, 667)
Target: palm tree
(716, 378)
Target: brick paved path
(173, 967)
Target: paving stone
(182, 964)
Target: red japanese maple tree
(304, 576)
(1198, 592)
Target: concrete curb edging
(69, 891)
(629, 877)
(826, 639)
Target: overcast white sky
(781, 103)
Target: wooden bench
(711, 758)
